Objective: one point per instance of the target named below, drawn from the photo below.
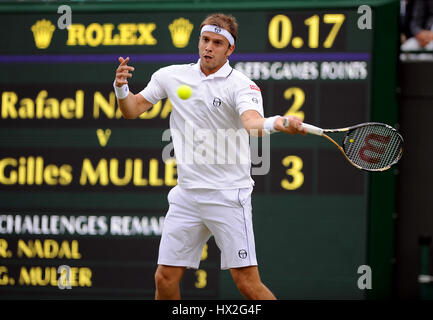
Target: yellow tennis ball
(351, 140)
(184, 91)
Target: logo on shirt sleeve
(254, 87)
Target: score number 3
(294, 165)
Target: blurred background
(83, 192)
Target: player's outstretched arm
(254, 123)
(131, 105)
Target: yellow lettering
(201, 279)
(146, 36)
(23, 248)
(76, 35)
(67, 108)
(138, 173)
(39, 170)
(40, 102)
(38, 248)
(109, 40)
(294, 164)
(24, 277)
(298, 101)
(65, 174)
(168, 108)
(65, 251)
(204, 253)
(52, 109)
(154, 180)
(4, 253)
(30, 170)
(84, 277)
(94, 34)
(43, 277)
(53, 277)
(337, 20)
(79, 104)
(114, 172)
(27, 109)
(107, 107)
(75, 254)
(13, 176)
(4, 279)
(313, 31)
(51, 174)
(277, 23)
(152, 112)
(88, 173)
(22, 171)
(51, 248)
(103, 136)
(127, 33)
(9, 99)
(170, 172)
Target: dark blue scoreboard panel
(83, 192)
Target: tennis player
(211, 198)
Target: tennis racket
(370, 146)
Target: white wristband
(269, 123)
(121, 92)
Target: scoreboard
(83, 192)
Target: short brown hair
(226, 21)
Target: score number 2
(280, 40)
(298, 96)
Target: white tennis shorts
(196, 214)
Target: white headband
(218, 30)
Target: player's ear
(230, 50)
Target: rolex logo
(180, 30)
(42, 33)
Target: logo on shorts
(242, 254)
(216, 102)
(255, 100)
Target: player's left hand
(295, 125)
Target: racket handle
(310, 128)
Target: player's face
(214, 49)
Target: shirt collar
(222, 72)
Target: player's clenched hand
(122, 72)
(295, 125)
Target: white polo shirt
(210, 143)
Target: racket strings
(373, 147)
